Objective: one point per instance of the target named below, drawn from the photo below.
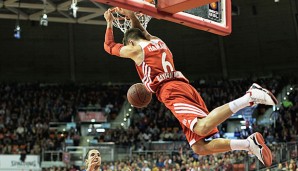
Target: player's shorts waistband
(165, 83)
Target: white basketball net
(123, 23)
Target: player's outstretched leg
(258, 147)
(255, 95)
(254, 144)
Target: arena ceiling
(89, 12)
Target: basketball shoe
(259, 95)
(258, 147)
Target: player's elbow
(107, 48)
(113, 49)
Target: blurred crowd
(187, 161)
(26, 109)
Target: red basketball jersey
(158, 65)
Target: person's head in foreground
(93, 160)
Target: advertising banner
(92, 117)
(13, 162)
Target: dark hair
(87, 154)
(133, 33)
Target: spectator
(93, 160)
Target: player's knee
(202, 128)
(200, 150)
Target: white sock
(239, 144)
(239, 103)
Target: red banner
(92, 117)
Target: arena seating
(27, 109)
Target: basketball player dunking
(155, 66)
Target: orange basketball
(138, 96)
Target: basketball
(138, 96)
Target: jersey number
(166, 64)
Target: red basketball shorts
(187, 105)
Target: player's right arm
(118, 49)
(110, 45)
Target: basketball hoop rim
(124, 23)
(113, 10)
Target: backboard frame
(179, 17)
